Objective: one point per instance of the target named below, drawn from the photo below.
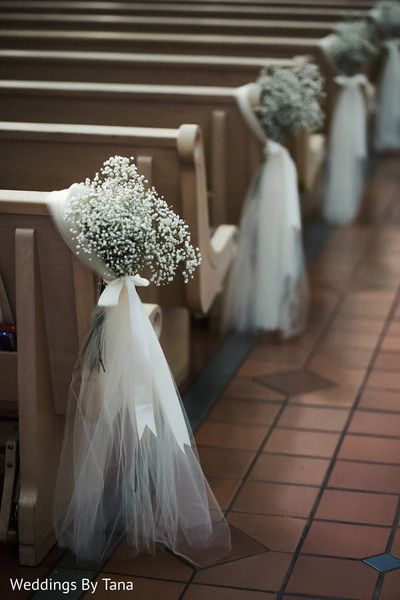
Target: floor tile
(243, 387)
(200, 592)
(289, 469)
(340, 396)
(391, 586)
(391, 342)
(396, 543)
(384, 380)
(222, 462)
(375, 423)
(332, 577)
(357, 507)
(323, 419)
(275, 499)
(344, 540)
(371, 449)
(387, 360)
(352, 339)
(145, 589)
(224, 489)
(258, 368)
(281, 534)
(230, 435)
(244, 411)
(360, 476)
(162, 565)
(361, 325)
(261, 572)
(380, 400)
(341, 375)
(383, 563)
(296, 441)
(295, 382)
(243, 544)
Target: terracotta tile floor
(303, 447)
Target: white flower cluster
(386, 15)
(130, 227)
(352, 46)
(290, 99)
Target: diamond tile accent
(296, 382)
(383, 562)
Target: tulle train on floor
(129, 466)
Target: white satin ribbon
(387, 129)
(347, 149)
(152, 375)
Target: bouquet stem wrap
(347, 151)
(387, 128)
(129, 466)
(268, 288)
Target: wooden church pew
(51, 295)
(152, 43)
(174, 24)
(122, 5)
(298, 13)
(52, 156)
(198, 45)
(232, 151)
(118, 67)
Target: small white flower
(290, 99)
(129, 227)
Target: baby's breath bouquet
(128, 226)
(352, 46)
(386, 15)
(290, 100)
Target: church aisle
(302, 450)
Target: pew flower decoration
(352, 45)
(289, 100)
(386, 15)
(130, 227)
(128, 467)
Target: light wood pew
(51, 295)
(195, 44)
(119, 67)
(202, 25)
(232, 151)
(52, 156)
(352, 4)
(298, 13)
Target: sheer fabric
(268, 289)
(347, 151)
(129, 466)
(387, 132)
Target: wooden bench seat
(45, 157)
(170, 24)
(121, 67)
(232, 151)
(298, 13)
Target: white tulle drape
(387, 127)
(347, 151)
(129, 466)
(268, 288)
